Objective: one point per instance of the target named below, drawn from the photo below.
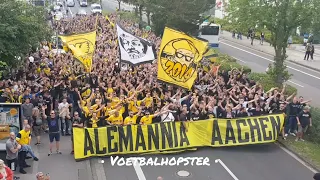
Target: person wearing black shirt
(281, 110)
(255, 111)
(242, 112)
(54, 133)
(48, 102)
(77, 122)
(195, 116)
(294, 110)
(304, 121)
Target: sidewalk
(59, 167)
(295, 53)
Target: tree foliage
(280, 17)
(22, 27)
(182, 15)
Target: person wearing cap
(304, 121)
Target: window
(210, 30)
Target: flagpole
(96, 21)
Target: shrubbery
(314, 131)
(228, 62)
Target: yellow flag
(82, 47)
(107, 18)
(178, 58)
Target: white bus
(210, 32)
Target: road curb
(279, 143)
(310, 67)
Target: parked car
(70, 3)
(96, 8)
(83, 3)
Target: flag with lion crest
(82, 47)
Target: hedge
(314, 131)
(228, 62)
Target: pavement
(62, 167)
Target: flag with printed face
(134, 50)
(178, 58)
(82, 47)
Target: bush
(315, 129)
(228, 62)
(267, 83)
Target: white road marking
(70, 11)
(226, 168)
(295, 83)
(270, 56)
(239, 59)
(272, 61)
(297, 158)
(288, 81)
(138, 170)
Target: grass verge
(307, 150)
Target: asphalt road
(258, 162)
(306, 80)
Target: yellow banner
(82, 47)
(112, 140)
(178, 58)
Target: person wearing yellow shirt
(98, 107)
(147, 119)
(116, 119)
(94, 120)
(131, 119)
(86, 91)
(108, 108)
(24, 139)
(148, 100)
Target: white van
(83, 3)
(70, 3)
(96, 8)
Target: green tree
(280, 17)
(22, 27)
(182, 15)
